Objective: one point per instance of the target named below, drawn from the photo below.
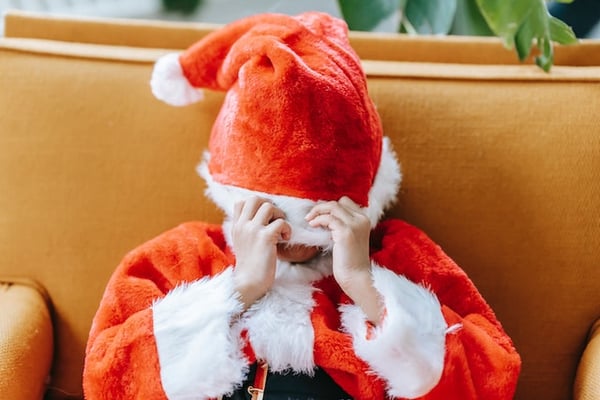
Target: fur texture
(297, 119)
(279, 326)
(192, 331)
(381, 195)
(184, 275)
(297, 126)
(169, 84)
(412, 336)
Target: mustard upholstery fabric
(26, 340)
(587, 381)
(500, 166)
(179, 35)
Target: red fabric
(297, 107)
(481, 361)
(121, 356)
(121, 362)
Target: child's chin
(296, 253)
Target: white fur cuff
(170, 85)
(200, 354)
(408, 349)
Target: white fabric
(279, 325)
(408, 349)
(170, 85)
(205, 342)
(200, 355)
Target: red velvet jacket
(170, 324)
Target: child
(302, 292)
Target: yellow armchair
(500, 165)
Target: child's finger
(320, 208)
(237, 210)
(349, 204)
(328, 221)
(267, 212)
(280, 229)
(331, 207)
(250, 206)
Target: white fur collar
(279, 325)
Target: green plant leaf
(469, 21)
(522, 24)
(429, 16)
(505, 17)
(536, 28)
(361, 15)
(524, 40)
(561, 32)
(546, 57)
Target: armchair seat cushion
(26, 340)
(587, 382)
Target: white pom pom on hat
(170, 85)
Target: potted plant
(521, 24)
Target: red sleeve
(481, 361)
(121, 346)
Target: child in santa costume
(301, 284)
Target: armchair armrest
(26, 340)
(587, 381)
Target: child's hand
(257, 227)
(350, 229)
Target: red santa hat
(297, 125)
